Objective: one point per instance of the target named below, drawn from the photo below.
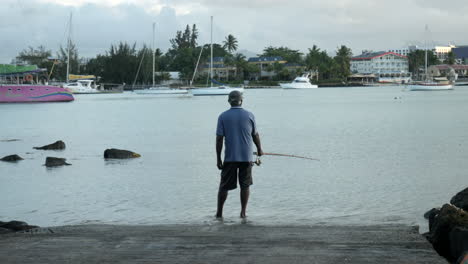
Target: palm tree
(230, 43)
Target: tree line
(121, 62)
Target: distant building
(452, 72)
(386, 67)
(440, 51)
(220, 69)
(461, 54)
(265, 65)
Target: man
(237, 128)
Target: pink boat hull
(33, 93)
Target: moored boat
(82, 87)
(33, 93)
(300, 82)
(161, 90)
(219, 90)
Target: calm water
(386, 156)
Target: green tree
(417, 61)
(343, 62)
(34, 56)
(230, 44)
(291, 56)
(241, 65)
(60, 71)
(450, 58)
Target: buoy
(28, 77)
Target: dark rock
(430, 215)
(120, 154)
(54, 162)
(460, 200)
(17, 226)
(12, 158)
(449, 218)
(458, 238)
(54, 146)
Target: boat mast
(68, 47)
(153, 51)
(425, 54)
(211, 47)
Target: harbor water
(386, 156)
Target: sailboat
(214, 90)
(427, 84)
(82, 84)
(154, 89)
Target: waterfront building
(440, 51)
(461, 54)
(221, 70)
(452, 72)
(385, 67)
(265, 64)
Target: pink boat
(33, 93)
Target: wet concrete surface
(218, 243)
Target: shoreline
(218, 242)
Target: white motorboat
(301, 82)
(161, 90)
(220, 90)
(82, 87)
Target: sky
(298, 24)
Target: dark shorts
(233, 170)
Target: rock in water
(12, 158)
(460, 200)
(120, 154)
(17, 226)
(54, 146)
(449, 225)
(54, 162)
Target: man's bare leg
(222, 196)
(244, 196)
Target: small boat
(437, 84)
(82, 87)
(219, 90)
(160, 90)
(33, 93)
(301, 82)
(430, 86)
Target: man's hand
(259, 152)
(220, 164)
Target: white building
(387, 67)
(440, 51)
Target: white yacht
(436, 84)
(82, 87)
(219, 90)
(222, 89)
(158, 89)
(301, 82)
(161, 90)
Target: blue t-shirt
(238, 127)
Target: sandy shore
(218, 243)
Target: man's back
(238, 126)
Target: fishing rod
(258, 161)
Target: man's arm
(256, 140)
(219, 148)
